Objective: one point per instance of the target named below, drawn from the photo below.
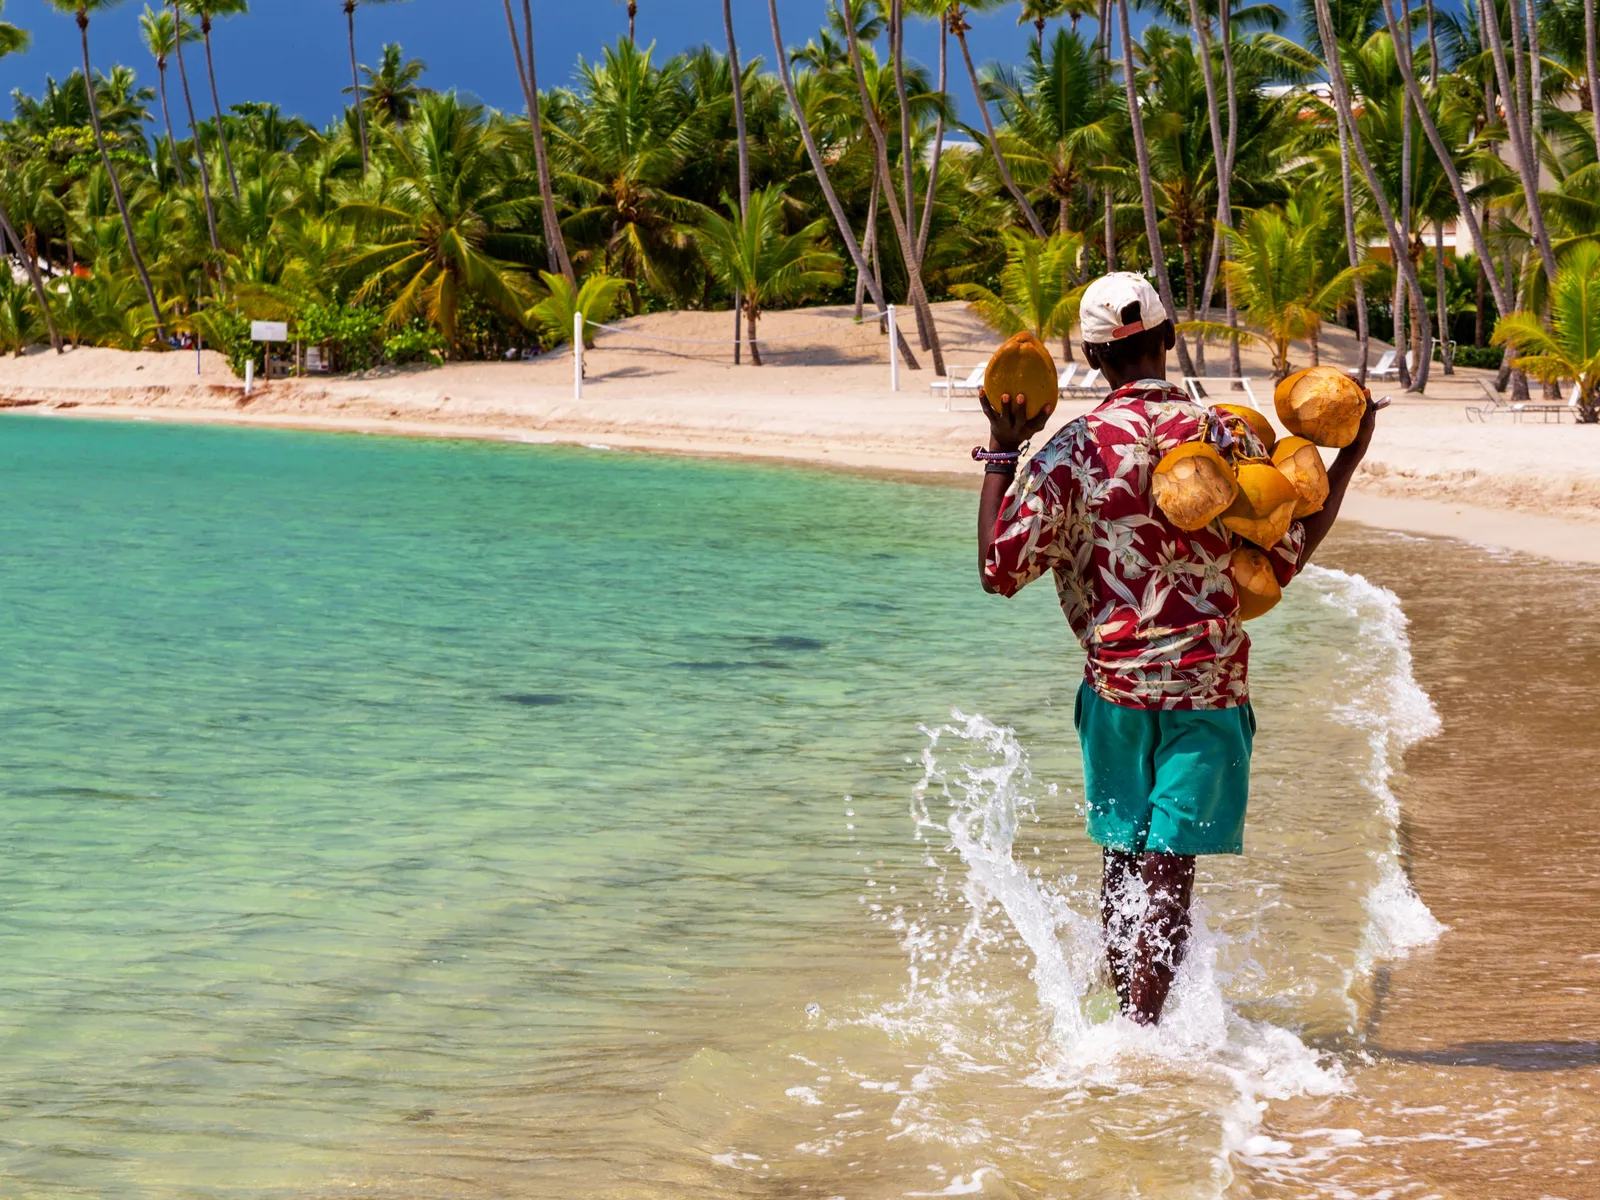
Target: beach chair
(1386, 368)
(1089, 385)
(951, 386)
(1552, 411)
(1496, 406)
(1064, 379)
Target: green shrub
(414, 343)
(1487, 357)
(350, 334)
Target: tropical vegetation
(1420, 172)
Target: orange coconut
(1322, 404)
(1253, 580)
(1023, 367)
(1253, 417)
(1193, 486)
(1301, 464)
(1264, 507)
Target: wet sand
(1485, 1072)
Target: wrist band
(979, 454)
(1000, 468)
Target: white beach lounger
(1387, 368)
(1064, 379)
(951, 386)
(1089, 385)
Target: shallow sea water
(393, 818)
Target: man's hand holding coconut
(1166, 524)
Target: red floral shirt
(1154, 607)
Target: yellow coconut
(1193, 486)
(1254, 582)
(1322, 404)
(1253, 417)
(1023, 367)
(1264, 507)
(1301, 464)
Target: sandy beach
(666, 382)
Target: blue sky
(293, 52)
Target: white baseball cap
(1100, 314)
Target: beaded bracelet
(979, 454)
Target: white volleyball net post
(577, 356)
(894, 350)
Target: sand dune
(667, 382)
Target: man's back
(1154, 607)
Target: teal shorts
(1167, 782)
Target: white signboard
(269, 331)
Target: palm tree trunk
(750, 324)
(1441, 296)
(869, 245)
(31, 264)
(820, 166)
(355, 81)
(1363, 338)
(1433, 48)
(555, 242)
(166, 118)
(1220, 154)
(897, 57)
(938, 147)
(194, 130)
(216, 104)
(1591, 66)
(1522, 154)
(633, 13)
(116, 184)
(958, 26)
(1442, 152)
(897, 34)
(1403, 50)
(1110, 229)
(1479, 321)
(1147, 194)
(918, 296)
(1341, 95)
(737, 79)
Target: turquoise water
(396, 817)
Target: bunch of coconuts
(1257, 499)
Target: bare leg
(1121, 901)
(1144, 908)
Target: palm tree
(13, 39)
(205, 10)
(737, 78)
(1340, 87)
(1570, 347)
(956, 20)
(554, 240)
(355, 79)
(897, 218)
(160, 31)
(427, 237)
(194, 127)
(81, 9)
(19, 328)
(1037, 292)
(633, 13)
(1282, 275)
(1037, 12)
(1141, 150)
(392, 89)
(557, 312)
(754, 258)
(936, 10)
(819, 166)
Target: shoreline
(1559, 538)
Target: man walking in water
(1164, 711)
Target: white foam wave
(1391, 708)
